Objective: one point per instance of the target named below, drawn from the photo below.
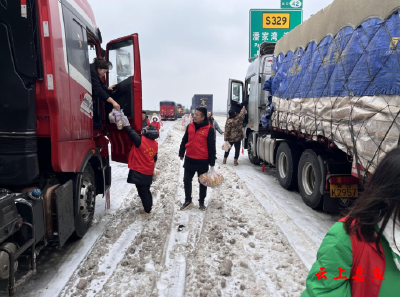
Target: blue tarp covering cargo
(360, 62)
(344, 86)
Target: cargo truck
(54, 136)
(324, 103)
(201, 100)
(168, 110)
(180, 109)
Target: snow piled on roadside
(234, 248)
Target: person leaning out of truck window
(141, 162)
(234, 132)
(214, 124)
(98, 70)
(360, 254)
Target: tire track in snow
(113, 252)
(181, 243)
(236, 228)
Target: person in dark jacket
(234, 133)
(145, 120)
(141, 162)
(215, 125)
(199, 145)
(98, 70)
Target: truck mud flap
(336, 205)
(65, 211)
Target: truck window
(92, 53)
(237, 92)
(77, 48)
(122, 59)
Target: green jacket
(336, 251)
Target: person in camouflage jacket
(234, 132)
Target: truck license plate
(344, 191)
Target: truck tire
(310, 179)
(86, 199)
(287, 159)
(250, 150)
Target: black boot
(186, 205)
(202, 206)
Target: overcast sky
(187, 47)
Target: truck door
(235, 93)
(124, 55)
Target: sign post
(270, 25)
(291, 4)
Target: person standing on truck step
(365, 243)
(98, 69)
(199, 145)
(141, 162)
(234, 132)
(215, 125)
(145, 120)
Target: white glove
(125, 121)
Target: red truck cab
(52, 131)
(168, 110)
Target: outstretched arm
(216, 126)
(136, 138)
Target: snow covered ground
(55, 266)
(254, 239)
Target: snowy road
(235, 248)
(304, 228)
(55, 266)
(252, 238)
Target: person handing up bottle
(141, 162)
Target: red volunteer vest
(157, 125)
(141, 159)
(366, 255)
(196, 147)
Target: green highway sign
(292, 4)
(270, 25)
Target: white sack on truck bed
(346, 87)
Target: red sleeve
(148, 122)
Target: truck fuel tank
(31, 207)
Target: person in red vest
(360, 254)
(145, 120)
(198, 143)
(141, 162)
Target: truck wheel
(309, 179)
(287, 159)
(250, 150)
(86, 199)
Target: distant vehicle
(180, 110)
(201, 100)
(168, 110)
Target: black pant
(187, 181)
(237, 149)
(145, 196)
